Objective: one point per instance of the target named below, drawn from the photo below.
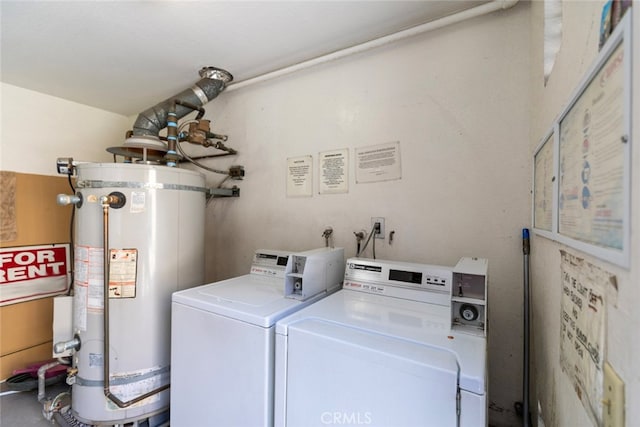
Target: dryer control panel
(418, 282)
(469, 313)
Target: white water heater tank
(156, 247)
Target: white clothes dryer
(381, 352)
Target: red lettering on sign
(26, 264)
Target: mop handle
(525, 241)
(525, 381)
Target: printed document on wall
(378, 163)
(299, 176)
(334, 171)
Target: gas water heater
(154, 217)
(139, 237)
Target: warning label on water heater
(88, 284)
(122, 273)
(138, 201)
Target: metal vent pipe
(152, 120)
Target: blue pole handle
(525, 241)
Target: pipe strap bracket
(142, 185)
(200, 94)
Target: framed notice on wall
(590, 181)
(544, 182)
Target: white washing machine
(223, 339)
(381, 352)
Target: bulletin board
(582, 169)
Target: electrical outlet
(612, 398)
(379, 219)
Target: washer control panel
(269, 262)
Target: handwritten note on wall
(582, 328)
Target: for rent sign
(30, 272)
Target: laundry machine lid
(413, 321)
(361, 374)
(250, 298)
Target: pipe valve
(61, 347)
(200, 133)
(69, 199)
(327, 234)
(114, 200)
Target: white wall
(457, 100)
(560, 405)
(38, 128)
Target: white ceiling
(125, 56)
